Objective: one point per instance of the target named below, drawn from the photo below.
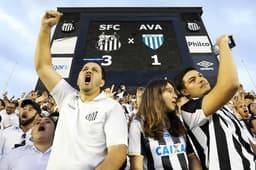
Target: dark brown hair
(153, 112)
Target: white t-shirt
(85, 130)
(11, 136)
(25, 158)
(9, 119)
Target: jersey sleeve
(193, 114)
(135, 138)
(116, 127)
(60, 91)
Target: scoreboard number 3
(107, 60)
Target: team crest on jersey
(67, 27)
(153, 41)
(108, 42)
(91, 116)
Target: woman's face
(169, 97)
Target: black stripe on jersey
(192, 105)
(165, 159)
(205, 129)
(246, 163)
(199, 148)
(142, 145)
(231, 116)
(245, 144)
(181, 157)
(150, 163)
(222, 146)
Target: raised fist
(51, 18)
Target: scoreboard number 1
(155, 60)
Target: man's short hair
(249, 96)
(178, 79)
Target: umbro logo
(91, 116)
(205, 64)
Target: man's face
(248, 101)
(10, 108)
(196, 85)
(27, 114)
(90, 78)
(242, 109)
(43, 130)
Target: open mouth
(24, 116)
(41, 128)
(87, 79)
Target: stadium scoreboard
(134, 45)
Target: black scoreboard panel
(134, 45)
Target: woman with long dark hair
(157, 137)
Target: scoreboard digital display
(134, 45)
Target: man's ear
(102, 83)
(184, 92)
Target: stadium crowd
(180, 124)
(242, 103)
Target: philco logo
(193, 27)
(67, 27)
(205, 65)
(198, 44)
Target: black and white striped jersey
(220, 140)
(168, 153)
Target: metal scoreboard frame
(133, 44)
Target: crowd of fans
(243, 104)
(182, 125)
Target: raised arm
(227, 80)
(43, 62)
